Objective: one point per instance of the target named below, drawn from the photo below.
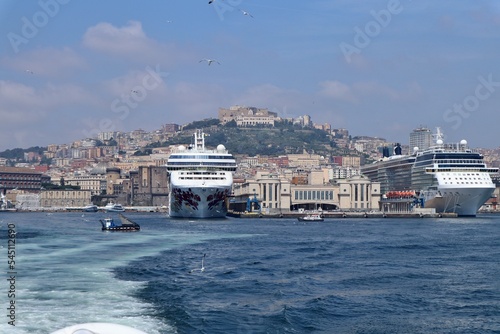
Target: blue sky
(70, 68)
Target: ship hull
(462, 201)
(198, 201)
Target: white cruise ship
(200, 180)
(446, 177)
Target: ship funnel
(397, 149)
(385, 152)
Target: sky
(70, 69)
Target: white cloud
(20, 103)
(130, 42)
(35, 116)
(46, 62)
(108, 38)
(337, 90)
(24, 104)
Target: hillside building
(247, 116)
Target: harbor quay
(342, 215)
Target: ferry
(200, 180)
(450, 178)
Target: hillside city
(129, 167)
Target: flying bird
(29, 71)
(202, 269)
(245, 13)
(209, 61)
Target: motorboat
(313, 217)
(91, 208)
(113, 207)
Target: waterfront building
(148, 186)
(315, 197)
(92, 182)
(21, 178)
(359, 193)
(279, 193)
(62, 199)
(271, 190)
(27, 201)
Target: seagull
(29, 71)
(209, 61)
(245, 13)
(210, 2)
(202, 269)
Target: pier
(343, 215)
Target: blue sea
(261, 275)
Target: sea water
(259, 275)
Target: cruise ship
(200, 180)
(447, 177)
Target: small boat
(112, 207)
(127, 225)
(314, 217)
(91, 208)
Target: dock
(342, 215)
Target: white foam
(63, 281)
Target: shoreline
(244, 215)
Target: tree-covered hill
(279, 140)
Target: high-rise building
(421, 138)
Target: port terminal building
(284, 192)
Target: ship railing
(194, 150)
(461, 170)
(448, 148)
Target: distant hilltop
(246, 131)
